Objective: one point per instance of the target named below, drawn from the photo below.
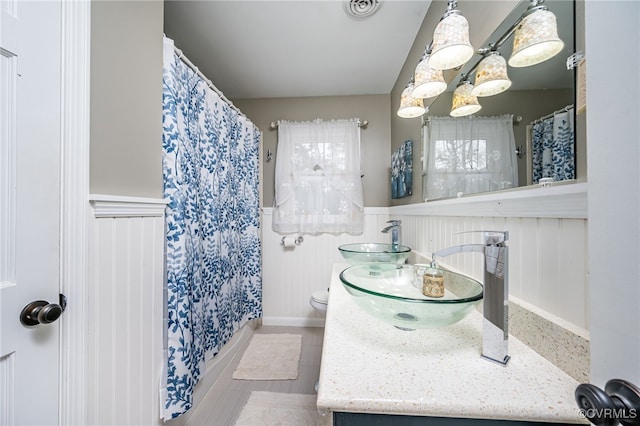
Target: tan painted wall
(126, 98)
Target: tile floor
(224, 401)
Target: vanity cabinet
(361, 419)
(431, 376)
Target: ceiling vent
(361, 9)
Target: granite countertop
(371, 367)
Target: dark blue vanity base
(359, 419)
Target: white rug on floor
(281, 409)
(270, 357)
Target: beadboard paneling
(547, 268)
(547, 257)
(125, 356)
(291, 275)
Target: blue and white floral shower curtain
(213, 251)
(553, 147)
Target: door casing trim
(75, 208)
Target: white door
(29, 208)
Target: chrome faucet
(495, 333)
(395, 228)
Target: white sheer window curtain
(318, 188)
(469, 155)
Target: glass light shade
(535, 40)
(491, 76)
(410, 107)
(464, 103)
(429, 82)
(451, 47)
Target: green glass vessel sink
(393, 294)
(371, 253)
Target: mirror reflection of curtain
(553, 147)
(469, 155)
(317, 178)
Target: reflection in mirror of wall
(539, 97)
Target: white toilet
(319, 300)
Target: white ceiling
(299, 48)
(267, 48)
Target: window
(318, 187)
(461, 154)
(468, 155)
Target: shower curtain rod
(544, 117)
(363, 124)
(190, 64)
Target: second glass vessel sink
(369, 253)
(393, 294)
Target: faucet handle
(495, 237)
(491, 237)
(394, 222)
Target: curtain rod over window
(190, 64)
(516, 119)
(362, 124)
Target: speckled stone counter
(371, 367)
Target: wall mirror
(456, 164)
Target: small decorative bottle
(433, 283)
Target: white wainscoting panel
(547, 269)
(291, 275)
(548, 257)
(125, 328)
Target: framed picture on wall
(402, 170)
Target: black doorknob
(42, 312)
(625, 394)
(594, 403)
(618, 403)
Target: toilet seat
(319, 300)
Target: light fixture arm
(427, 50)
(534, 6)
(451, 6)
(451, 9)
(465, 76)
(464, 79)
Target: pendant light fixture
(464, 103)
(451, 47)
(535, 40)
(536, 37)
(491, 75)
(429, 82)
(410, 107)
